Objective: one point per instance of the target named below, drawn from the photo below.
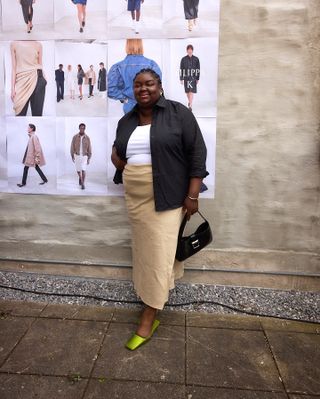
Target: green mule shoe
(136, 341)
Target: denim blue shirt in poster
(121, 75)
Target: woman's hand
(116, 160)
(190, 206)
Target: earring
(161, 92)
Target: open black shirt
(178, 151)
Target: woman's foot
(20, 185)
(146, 321)
(83, 24)
(81, 30)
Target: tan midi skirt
(154, 238)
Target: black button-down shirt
(178, 151)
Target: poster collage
(68, 65)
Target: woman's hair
(152, 72)
(134, 47)
(32, 127)
(79, 66)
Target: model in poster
(102, 79)
(81, 7)
(28, 84)
(191, 12)
(190, 74)
(134, 6)
(90, 79)
(121, 74)
(27, 12)
(71, 80)
(59, 77)
(33, 157)
(80, 76)
(81, 153)
(160, 151)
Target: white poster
(68, 68)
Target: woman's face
(146, 89)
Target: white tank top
(138, 148)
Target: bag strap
(184, 222)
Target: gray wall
(266, 211)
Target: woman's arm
(190, 204)
(116, 160)
(13, 72)
(40, 58)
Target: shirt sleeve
(115, 84)
(194, 145)
(72, 148)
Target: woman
(27, 11)
(28, 84)
(90, 79)
(134, 6)
(191, 12)
(121, 74)
(71, 81)
(81, 7)
(80, 76)
(33, 157)
(161, 153)
(190, 74)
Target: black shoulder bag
(190, 245)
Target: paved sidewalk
(77, 352)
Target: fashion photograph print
(135, 18)
(125, 59)
(191, 18)
(32, 159)
(29, 84)
(190, 75)
(80, 19)
(28, 19)
(73, 154)
(84, 94)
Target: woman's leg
(41, 174)
(80, 91)
(146, 320)
(84, 15)
(37, 97)
(190, 99)
(24, 177)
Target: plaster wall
(267, 171)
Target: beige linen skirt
(154, 238)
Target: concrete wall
(267, 182)
(266, 208)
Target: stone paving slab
(12, 330)
(230, 358)
(161, 360)
(77, 312)
(165, 316)
(288, 325)
(14, 386)
(223, 321)
(21, 308)
(298, 359)
(303, 396)
(57, 347)
(134, 390)
(220, 393)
